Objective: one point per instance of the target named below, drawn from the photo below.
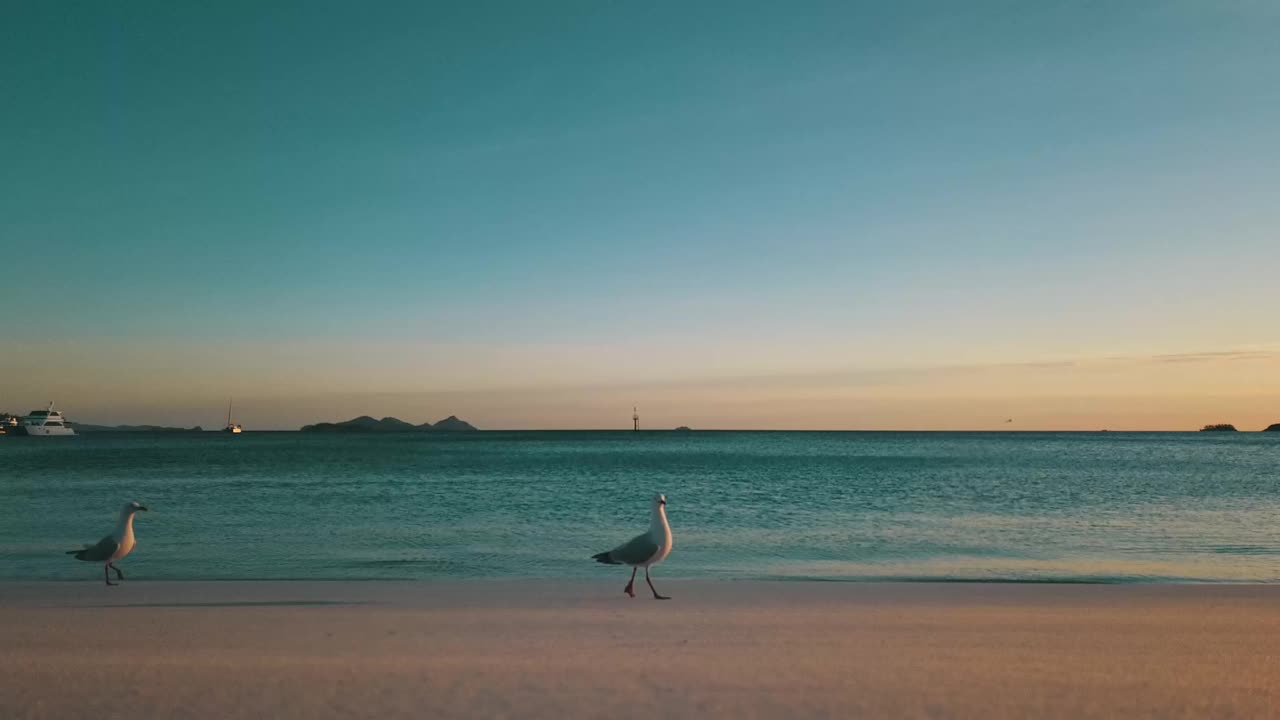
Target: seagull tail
(605, 558)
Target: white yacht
(43, 423)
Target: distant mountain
(1272, 428)
(82, 427)
(366, 424)
(362, 424)
(1220, 427)
(449, 424)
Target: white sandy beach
(582, 649)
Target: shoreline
(1116, 580)
(539, 648)
(658, 431)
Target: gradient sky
(738, 215)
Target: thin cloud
(1212, 356)
(848, 378)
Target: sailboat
(231, 427)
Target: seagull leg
(656, 596)
(119, 575)
(106, 574)
(630, 589)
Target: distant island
(684, 428)
(83, 427)
(1220, 427)
(366, 424)
(1275, 427)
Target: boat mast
(228, 412)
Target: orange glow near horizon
(292, 386)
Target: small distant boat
(231, 427)
(44, 423)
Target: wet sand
(581, 649)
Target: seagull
(644, 550)
(114, 546)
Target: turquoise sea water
(842, 506)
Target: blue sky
(578, 195)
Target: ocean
(839, 506)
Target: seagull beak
(143, 508)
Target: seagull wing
(105, 548)
(639, 549)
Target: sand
(581, 649)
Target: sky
(914, 215)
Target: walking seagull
(644, 550)
(114, 546)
